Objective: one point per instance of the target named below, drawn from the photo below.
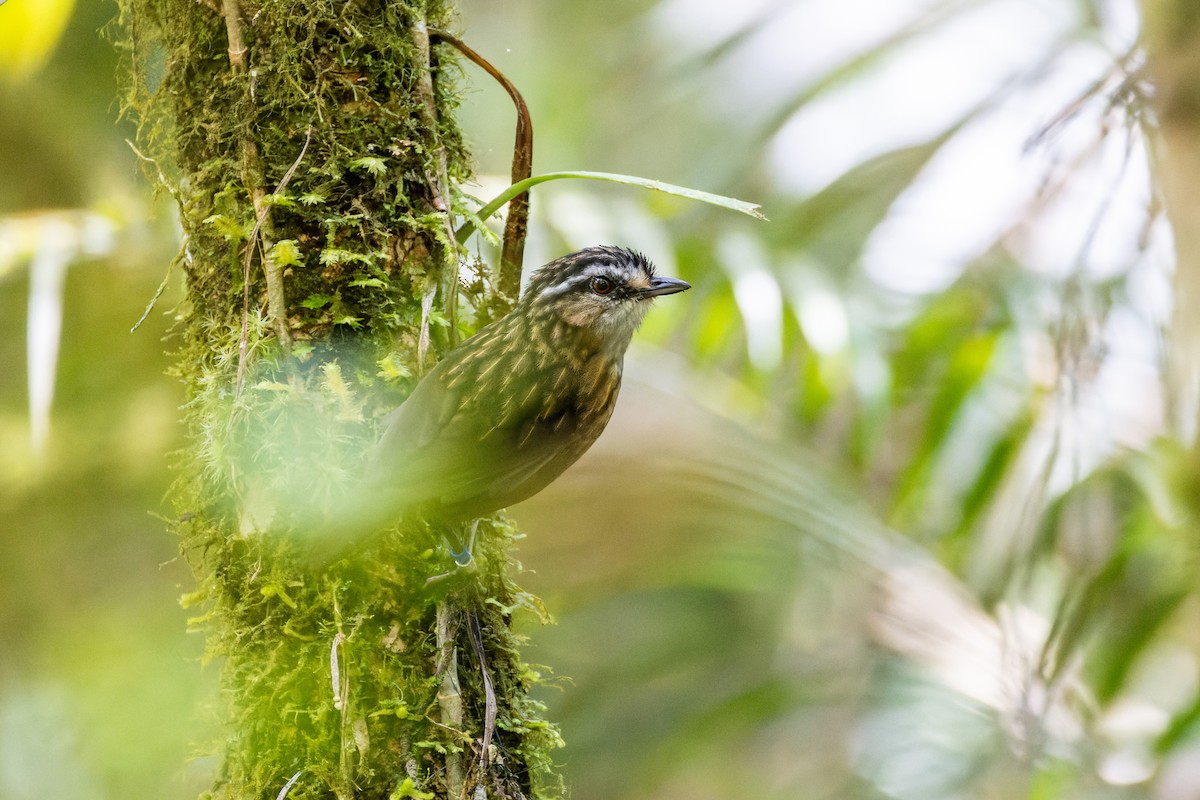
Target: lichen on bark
(311, 305)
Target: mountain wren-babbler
(504, 413)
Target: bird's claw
(461, 557)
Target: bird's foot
(461, 557)
(462, 554)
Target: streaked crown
(628, 272)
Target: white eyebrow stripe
(559, 288)
(593, 271)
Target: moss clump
(336, 669)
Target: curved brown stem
(517, 222)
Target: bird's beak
(660, 286)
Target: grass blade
(741, 206)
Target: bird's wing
(451, 445)
(497, 468)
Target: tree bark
(1171, 36)
(312, 151)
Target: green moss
(329, 669)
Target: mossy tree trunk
(312, 151)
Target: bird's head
(604, 290)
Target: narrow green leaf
(968, 366)
(520, 187)
(986, 486)
(1181, 728)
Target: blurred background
(895, 504)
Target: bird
(508, 410)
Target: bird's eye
(601, 285)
